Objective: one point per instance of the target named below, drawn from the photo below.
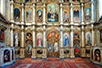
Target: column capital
(91, 2)
(22, 5)
(12, 3)
(82, 5)
(44, 30)
(11, 29)
(22, 30)
(82, 30)
(33, 30)
(93, 29)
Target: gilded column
(61, 43)
(2, 6)
(92, 34)
(83, 46)
(61, 14)
(82, 17)
(22, 49)
(34, 45)
(44, 43)
(71, 15)
(71, 46)
(12, 35)
(92, 14)
(22, 13)
(44, 13)
(34, 13)
(12, 11)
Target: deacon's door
(53, 46)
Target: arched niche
(87, 14)
(16, 14)
(2, 34)
(6, 56)
(17, 39)
(29, 16)
(88, 38)
(76, 14)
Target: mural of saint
(52, 11)
(88, 13)
(50, 47)
(66, 39)
(76, 48)
(39, 40)
(76, 15)
(88, 38)
(56, 47)
(29, 16)
(39, 15)
(65, 16)
(16, 14)
(29, 49)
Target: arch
(53, 32)
(16, 14)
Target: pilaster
(12, 11)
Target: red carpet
(53, 63)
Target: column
(34, 45)
(22, 49)
(34, 13)
(44, 13)
(71, 46)
(2, 6)
(11, 35)
(71, 13)
(61, 14)
(61, 43)
(83, 46)
(92, 14)
(82, 17)
(44, 43)
(22, 13)
(12, 11)
(92, 35)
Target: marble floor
(53, 63)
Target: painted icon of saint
(56, 47)
(16, 39)
(39, 41)
(66, 40)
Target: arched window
(16, 14)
